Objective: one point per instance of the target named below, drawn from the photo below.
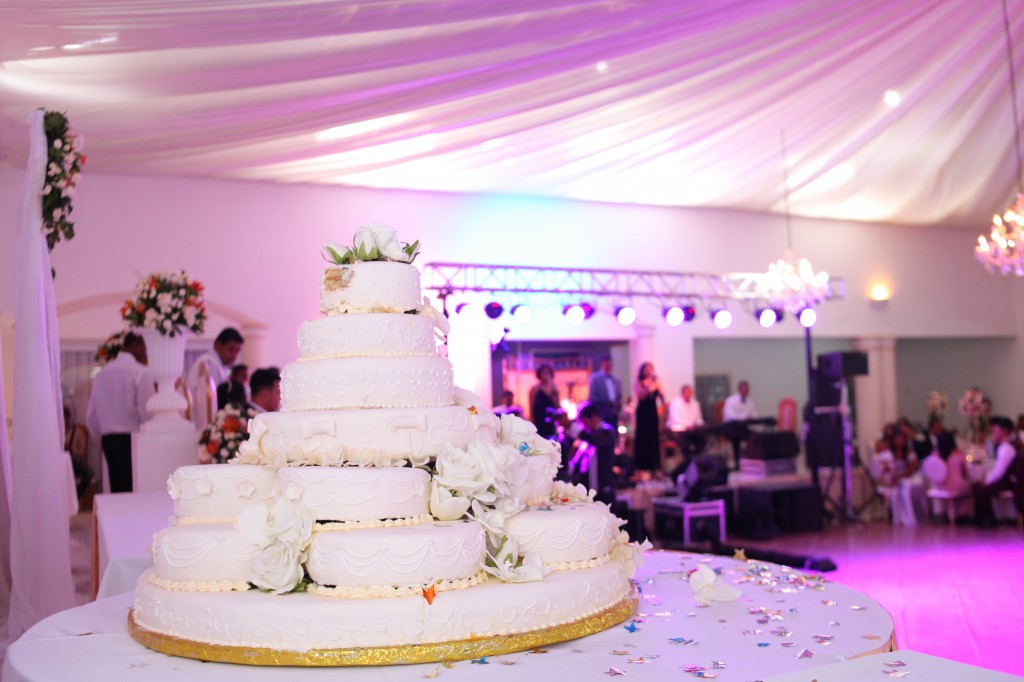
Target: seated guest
(683, 415)
(265, 386)
(899, 475)
(956, 481)
(602, 437)
(233, 391)
(1000, 477)
(508, 405)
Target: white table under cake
(785, 621)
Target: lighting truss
(673, 287)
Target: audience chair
(935, 472)
(697, 510)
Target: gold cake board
(460, 650)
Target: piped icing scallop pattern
(361, 335)
(564, 534)
(217, 493)
(367, 496)
(367, 383)
(377, 287)
(203, 554)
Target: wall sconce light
(879, 293)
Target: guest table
(784, 621)
(912, 664)
(124, 524)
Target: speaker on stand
(830, 432)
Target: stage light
(626, 315)
(588, 310)
(674, 316)
(689, 313)
(464, 308)
(807, 317)
(767, 317)
(521, 313)
(721, 318)
(574, 314)
(494, 310)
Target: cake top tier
(374, 275)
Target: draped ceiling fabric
(669, 102)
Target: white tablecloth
(826, 623)
(918, 666)
(125, 524)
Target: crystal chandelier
(791, 282)
(1003, 249)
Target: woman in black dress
(647, 436)
(544, 401)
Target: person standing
(738, 408)
(544, 402)
(603, 437)
(117, 407)
(647, 435)
(234, 391)
(216, 364)
(606, 392)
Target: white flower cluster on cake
(283, 533)
(373, 242)
(167, 302)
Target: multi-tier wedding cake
(383, 516)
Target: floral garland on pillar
(64, 161)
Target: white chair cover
(934, 470)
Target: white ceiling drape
(675, 102)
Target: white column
(876, 392)
(254, 350)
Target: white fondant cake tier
(367, 437)
(367, 383)
(214, 493)
(564, 534)
(255, 619)
(539, 479)
(357, 494)
(373, 287)
(397, 556)
(202, 553)
(358, 335)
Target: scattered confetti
(576, 651)
(896, 673)
(693, 669)
(472, 409)
(617, 652)
(896, 664)
(805, 653)
(717, 665)
(833, 623)
(858, 608)
(448, 664)
(512, 662)
(631, 627)
(481, 661)
(704, 673)
(428, 593)
(788, 644)
(824, 639)
(83, 634)
(871, 637)
(138, 665)
(639, 661)
(612, 672)
(537, 650)
(682, 640)
(828, 602)
(761, 645)
(434, 673)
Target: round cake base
(460, 650)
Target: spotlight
(494, 310)
(574, 314)
(674, 316)
(767, 317)
(807, 317)
(521, 313)
(464, 308)
(689, 312)
(721, 318)
(626, 315)
(588, 310)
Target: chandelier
(1003, 249)
(791, 282)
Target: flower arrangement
(221, 440)
(167, 302)
(283, 534)
(109, 349)
(973, 403)
(64, 164)
(937, 403)
(373, 242)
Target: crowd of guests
(122, 387)
(907, 461)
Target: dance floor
(955, 593)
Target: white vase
(166, 362)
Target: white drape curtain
(676, 102)
(40, 564)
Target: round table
(784, 621)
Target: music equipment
(842, 364)
(772, 445)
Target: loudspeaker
(772, 445)
(825, 445)
(842, 364)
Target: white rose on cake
(372, 241)
(444, 506)
(505, 466)
(466, 473)
(277, 568)
(286, 521)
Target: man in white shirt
(739, 406)
(684, 414)
(217, 364)
(265, 386)
(117, 407)
(1000, 477)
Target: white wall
(256, 247)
